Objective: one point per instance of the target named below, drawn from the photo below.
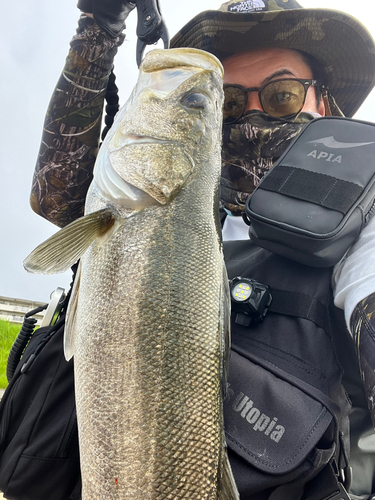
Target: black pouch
(279, 435)
(313, 203)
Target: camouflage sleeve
(362, 325)
(72, 126)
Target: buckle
(341, 495)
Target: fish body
(148, 318)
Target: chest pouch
(315, 200)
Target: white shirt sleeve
(234, 228)
(354, 276)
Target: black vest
(287, 412)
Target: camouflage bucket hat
(341, 44)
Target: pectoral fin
(64, 248)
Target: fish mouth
(131, 139)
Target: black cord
(19, 345)
(112, 106)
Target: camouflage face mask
(250, 148)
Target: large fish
(148, 316)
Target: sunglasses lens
(283, 98)
(280, 99)
(234, 103)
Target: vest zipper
(69, 441)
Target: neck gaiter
(250, 148)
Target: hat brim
(337, 40)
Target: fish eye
(195, 101)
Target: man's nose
(253, 101)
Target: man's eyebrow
(280, 72)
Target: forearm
(362, 326)
(72, 126)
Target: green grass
(8, 332)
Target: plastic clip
(150, 28)
(341, 495)
(28, 363)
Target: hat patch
(247, 6)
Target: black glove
(362, 325)
(110, 15)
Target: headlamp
(250, 300)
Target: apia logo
(259, 421)
(321, 155)
(331, 143)
(246, 6)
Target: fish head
(170, 124)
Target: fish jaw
(111, 188)
(148, 157)
(150, 160)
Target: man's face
(255, 68)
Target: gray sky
(34, 42)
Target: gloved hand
(362, 325)
(110, 15)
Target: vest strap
(321, 189)
(300, 305)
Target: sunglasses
(282, 98)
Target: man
(260, 43)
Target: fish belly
(147, 361)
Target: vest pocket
(276, 431)
(42, 475)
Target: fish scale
(148, 316)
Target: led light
(241, 292)
(250, 300)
